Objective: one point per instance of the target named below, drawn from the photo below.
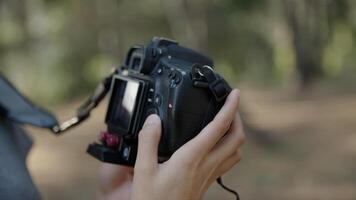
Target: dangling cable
(219, 180)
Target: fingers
(149, 136)
(230, 143)
(112, 176)
(225, 166)
(212, 133)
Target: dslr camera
(163, 78)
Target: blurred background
(293, 60)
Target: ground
(305, 148)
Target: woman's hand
(115, 182)
(190, 170)
(194, 166)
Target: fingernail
(238, 91)
(235, 93)
(152, 119)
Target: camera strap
(83, 112)
(16, 107)
(204, 76)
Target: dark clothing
(15, 180)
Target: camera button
(159, 71)
(126, 152)
(150, 95)
(158, 100)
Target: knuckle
(226, 126)
(238, 154)
(243, 139)
(236, 157)
(239, 138)
(237, 160)
(222, 125)
(237, 142)
(186, 162)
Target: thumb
(149, 136)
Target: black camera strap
(217, 85)
(205, 77)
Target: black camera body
(174, 82)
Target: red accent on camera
(111, 140)
(103, 136)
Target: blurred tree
(66, 46)
(306, 20)
(188, 22)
